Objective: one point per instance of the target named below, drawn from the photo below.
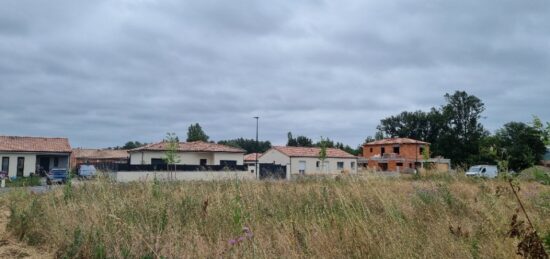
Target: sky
(106, 72)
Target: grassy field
(436, 216)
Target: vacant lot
(434, 216)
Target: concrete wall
(29, 165)
(182, 176)
(187, 158)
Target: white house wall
(239, 157)
(29, 165)
(331, 168)
(187, 158)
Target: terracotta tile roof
(390, 141)
(252, 156)
(80, 153)
(313, 152)
(34, 144)
(197, 146)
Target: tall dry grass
(434, 216)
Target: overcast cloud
(105, 72)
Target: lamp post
(257, 147)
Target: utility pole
(257, 147)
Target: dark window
(399, 164)
(382, 150)
(410, 165)
(396, 150)
(228, 162)
(340, 165)
(318, 164)
(5, 164)
(203, 162)
(20, 166)
(157, 161)
(371, 150)
(421, 150)
(56, 162)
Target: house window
(421, 150)
(399, 164)
(340, 165)
(396, 150)
(382, 150)
(56, 162)
(203, 162)
(302, 167)
(157, 161)
(5, 164)
(318, 164)
(371, 150)
(352, 165)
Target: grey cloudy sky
(105, 72)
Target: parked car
(486, 171)
(57, 175)
(87, 171)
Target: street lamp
(257, 147)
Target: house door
(20, 166)
(302, 167)
(45, 163)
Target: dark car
(57, 175)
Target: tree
(171, 154)
(247, 144)
(132, 145)
(462, 132)
(520, 144)
(545, 131)
(195, 133)
(300, 141)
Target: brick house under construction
(401, 155)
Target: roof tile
(196, 146)
(34, 144)
(312, 152)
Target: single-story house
(189, 153)
(306, 161)
(98, 157)
(23, 156)
(250, 160)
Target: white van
(487, 171)
(87, 171)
